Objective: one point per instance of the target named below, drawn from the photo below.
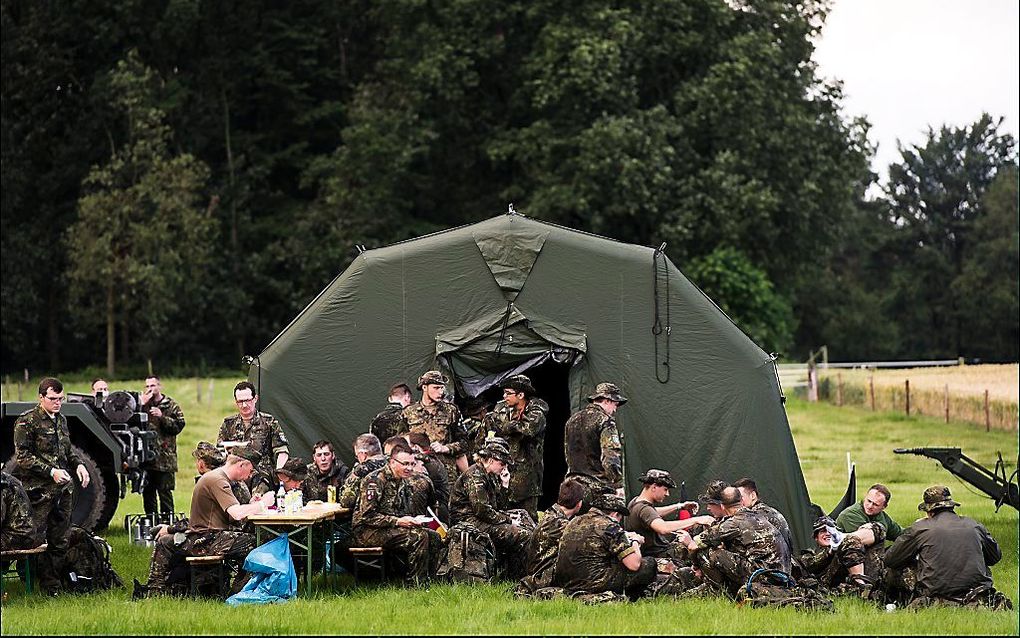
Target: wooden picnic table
(293, 524)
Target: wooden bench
(372, 559)
(206, 572)
(31, 559)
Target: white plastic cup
(891, 607)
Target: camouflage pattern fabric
(440, 483)
(350, 493)
(590, 554)
(525, 436)
(543, 549)
(831, 567)
(231, 544)
(778, 521)
(389, 422)
(593, 447)
(166, 427)
(979, 597)
(441, 422)
(265, 436)
(734, 547)
(316, 483)
(17, 527)
(771, 589)
(474, 432)
(423, 495)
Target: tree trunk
(111, 332)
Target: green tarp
(509, 293)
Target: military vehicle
(110, 435)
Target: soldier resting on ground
(749, 499)
(835, 565)
(543, 549)
(646, 514)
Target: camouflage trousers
(511, 543)
(529, 505)
(983, 596)
(592, 486)
(851, 553)
(724, 570)
(158, 495)
(621, 580)
(234, 546)
(51, 514)
(682, 579)
(420, 545)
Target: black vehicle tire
(89, 502)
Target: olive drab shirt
(41, 444)
(476, 499)
(526, 438)
(750, 535)
(166, 427)
(351, 490)
(592, 446)
(17, 528)
(316, 484)
(266, 436)
(389, 422)
(590, 554)
(384, 498)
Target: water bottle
(280, 494)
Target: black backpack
(88, 563)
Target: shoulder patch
(371, 491)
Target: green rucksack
(88, 565)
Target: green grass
(823, 433)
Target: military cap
(821, 523)
(496, 448)
(519, 383)
(432, 377)
(608, 391)
(247, 453)
(212, 455)
(658, 477)
(937, 497)
(295, 468)
(610, 503)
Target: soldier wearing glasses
(44, 461)
(260, 431)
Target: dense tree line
(180, 178)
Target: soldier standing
(260, 431)
(592, 443)
(44, 459)
(520, 419)
(17, 530)
(441, 421)
(166, 419)
(390, 421)
(324, 471)
(382, 518)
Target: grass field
(823, 432)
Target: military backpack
(470, 555)
(88, 562)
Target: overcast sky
(910, 64)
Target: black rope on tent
(658, 329)
(249, 360)
(502, 331)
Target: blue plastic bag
(273, 579)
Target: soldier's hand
(704, 520)
(439, 447)
(83, 475)
(405, 521)
(161, 531)
(268, 498)
(683, 537)
(155, 413)
(620, 492)
(60, 476)
(634, 536)
(690, 506)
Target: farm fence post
(908, 396)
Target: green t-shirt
(850, 519)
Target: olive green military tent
(571, 309)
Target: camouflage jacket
(750, 535)
(41, 444)
(351, 490)
(263, 434)
(441, 423)
(17, 529)
(384, 498)
(526, 437)
(477, 500)
(166, 427)
(590, 552)
(474, 432)
(592, 446)
(778, 521)
(423, 495)
(389, 422)
(315, 485)
(440, 483)
(544, 547)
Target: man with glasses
(260, 431)
(166, 419)
(44, 460)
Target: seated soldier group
(590, 544)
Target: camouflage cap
(821, 523)
(713, 494)
(432, 377)
(658, 477)
(210, 454)
(608, 391)
(610, 503)
(519, 383)
(247, 453)
(295, 468)
(495, 448)
(937, 497)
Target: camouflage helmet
(247, 453)
(211, 455)
(937, 497)
(658, 477)
(495, 448)
(821, 523)
(519, 383)
(608, 391)
(432, 377)
(610, 503)
(295, 468)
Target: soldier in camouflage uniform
(44, 460)
(520, 419)
(382, 518)
(368, 451)
(166, 419)
(390, 422)
(596, 555)
(858, 554)
(592, 443)
(435, 471)
(17, 528)
(478, 501)
(543, 549)
(441, 421)
(325, 470)
(260, 431)
(293, 476)
(749, 499)
(740, 542)
(475, 411)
